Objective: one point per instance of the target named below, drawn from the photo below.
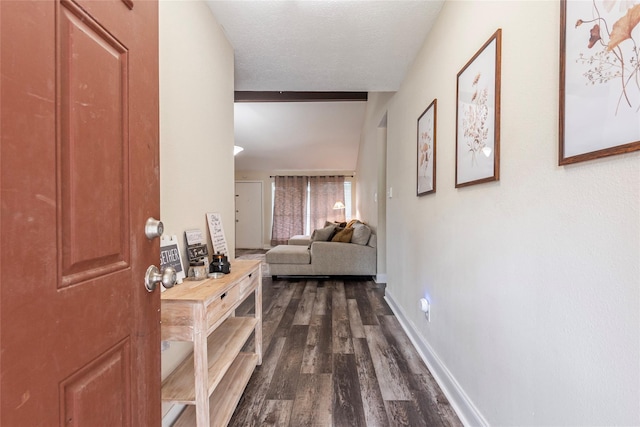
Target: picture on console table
(216, 232)
(478, 116)
(599, 79)
(196, 245)
(426, 179)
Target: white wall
(196, 128)
(534, 280)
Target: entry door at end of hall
(249, 215)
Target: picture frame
(599, 75)
(426, 153)
(478, 115)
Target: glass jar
(198, 270)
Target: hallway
(336, 355)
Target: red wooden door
(79, 334)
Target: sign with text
(196, 245)
(217, 233)
(194, 236)
(170, 256)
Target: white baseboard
(172, 415)
(458, 399)
(381, 278)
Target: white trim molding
(381, 278)
(463, 406)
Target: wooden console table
(213, 378)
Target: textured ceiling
(324, 45)
(307, 45)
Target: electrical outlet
(425, 306)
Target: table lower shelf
(224, 344)
(226, 396)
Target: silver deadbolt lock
(153, 228)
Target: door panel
(94, 133)
(78, 178)
(249, 215)
(105, 380)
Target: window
(346, 201)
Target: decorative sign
(217, 233)
(170, 256)
(196, 245)
(194, 236)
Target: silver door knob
(167, 277)
(153, 228)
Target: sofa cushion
(343, 236)
(361, 234)
(288, 254)
(299, 239)
(336, 258)
(323, 234)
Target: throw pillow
(361, 234)
(337, 224)
(323, 234)
(343, 236)
(353, 222)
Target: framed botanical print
(426, 176)
(478, 116)
(599, 79)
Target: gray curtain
(324, 192)
(289, 208)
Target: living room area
(533, 279)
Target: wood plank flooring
(335, 355)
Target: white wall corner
(458, 399)
(381, 278)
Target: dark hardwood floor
(335, 355)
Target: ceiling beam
(249, 96)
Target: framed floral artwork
(478, 116)
(426, 177)
(599, 79)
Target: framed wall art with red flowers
(599, 79)
(426, 177)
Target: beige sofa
(303, 257)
